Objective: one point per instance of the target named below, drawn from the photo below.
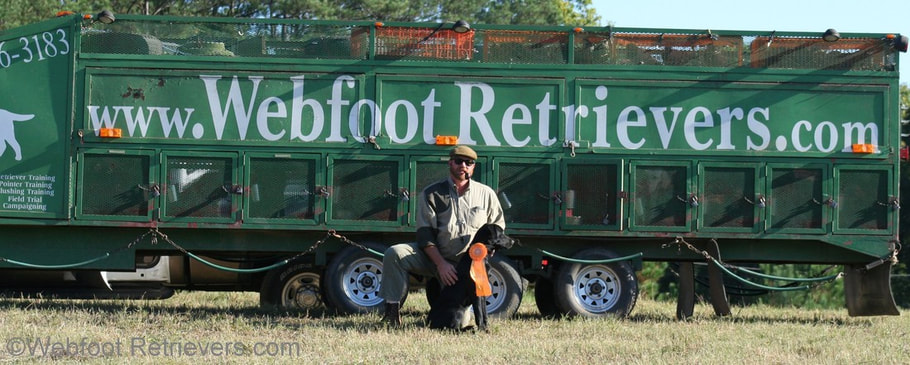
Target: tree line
(14, 13)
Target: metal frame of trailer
(260, 143)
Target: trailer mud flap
(868, 291)
(685, 302)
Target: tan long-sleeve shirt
(448, 221)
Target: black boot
(392, 315)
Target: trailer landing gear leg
(716, 281)
(868, 292)
(685, 303)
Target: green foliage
(823, 296)
(577, 12)
(14, 13)
(301, 9)
(659, 281)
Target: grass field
(230, 328)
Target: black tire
(545, 297)
(353, 278)
(596, 290)
(507, 286)
(295, 286)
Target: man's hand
(447, 273)
(444, 269)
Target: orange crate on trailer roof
(427, 43)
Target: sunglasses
(459, 161)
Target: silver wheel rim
(362, 280)
(302, 291)
(499, 292)
(596, 288)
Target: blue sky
(794, 15)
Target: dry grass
(229, 328)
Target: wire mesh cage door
(661, 199)
(201, 188)
(365, 190)
(863, 200)
(116, 186)
(283, 190)
(526, 192)
(591, 198)
(797, 201)
(730, 198)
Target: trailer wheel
(352, 280)
(545, 297)
(507, 287)
(596, 290)
(292, 286)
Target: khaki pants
(399, 260)
(404, 258)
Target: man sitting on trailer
(449, 212)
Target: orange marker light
(863, 148)
(478, 252)
(110, 132)
(446, 140)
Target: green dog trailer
(283, 156)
